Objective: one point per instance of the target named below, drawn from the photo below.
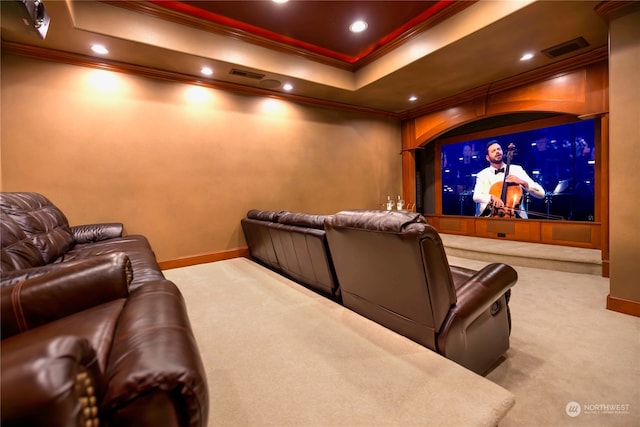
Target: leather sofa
(36, 238)
(92, 332)
(392, 269)
(294, 245)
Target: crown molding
(154, 73)
(575, 62)
(614, 8)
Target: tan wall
(624, 93)
(182, 164)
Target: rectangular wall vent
(247, 74)
(566, 47)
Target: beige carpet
(566, 347)
(276, 354)
(526, 254)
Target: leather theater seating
(392, 268)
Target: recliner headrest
(376, 220)
(303, 220)
(264, 215)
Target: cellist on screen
(500, 186)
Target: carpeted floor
(565, 348)
(526, 254)
(276, 354)
(571, 361)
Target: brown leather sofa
(36, 238)
(392, 268)
(92, 333)
(293, 244)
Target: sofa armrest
(476, 330)
(49, 382)
(482, 289)
(155, 356)
(476, 296)
(42, 299)
(16, 276)
(95, 232)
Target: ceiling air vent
(247, 74)
(566, 47)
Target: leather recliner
(392, 269)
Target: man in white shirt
(495, 173)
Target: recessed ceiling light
(526, 57)
(413, 98)
(287, 86)
(206, 71)
(280, 1)
(358, 27)
(99, 49)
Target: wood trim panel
(606, 268)
(602, 193)
(432, 125)
(408, 177)
(623, 306)
(560, 119)
(507, 229)
(579, 92)
(452, 224)
(614, 8)
(565, 233)
(585, 235)
(566, 93)
(242, 252)
(598, 87)
(576, 92)
(595, 56)
(408, 164)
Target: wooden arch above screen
(552, 98)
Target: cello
(509, 192)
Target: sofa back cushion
(41, 221)
(17, 250)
